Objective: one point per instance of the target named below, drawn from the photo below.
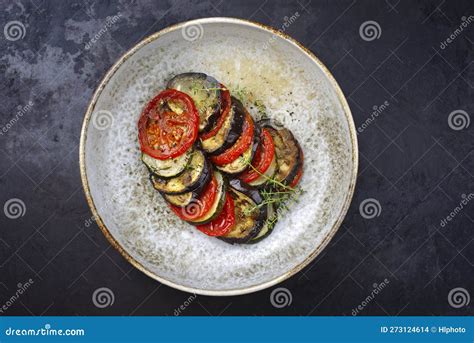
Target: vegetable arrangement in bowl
(217, 167)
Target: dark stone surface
(411, 161)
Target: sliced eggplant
(288, 152)
(197, 173)
(217, 205)
(229, 132)
(267, 227)
(249, 217)
(170, 167)
(241, 163)
(206, 93)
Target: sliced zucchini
(206, 93)
(269, 173)
(267, 227)
(170, 167)
(229, 132)
(197, 173)
(249, 217)
(288, 152)
(180, 200)
(240, 163)
(218, 204)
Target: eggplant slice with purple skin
(206, 94)
(197, 173)
(288, 152)
(250, 218)
(230, 131)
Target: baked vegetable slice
(249, 216)
(264, 164)
(224, 221)
(205, 92)
(168, 125)
(197, 173)
(288, 152)
(208, 205)
(241, 162)
(170, 167)
(228, 133)
(267, 227)
(240, 146)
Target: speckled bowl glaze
(297, 90)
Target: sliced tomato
(297, 178)
(262, 159)
(223, 223)
(168, 126)
(225, 110)
(239, 147)
(199, 207)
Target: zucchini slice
(182, 200)
(206, 93)
(197, 173)
(249, 217)
(229, 132)
(167, 168)
(218, 204)
(288, 152)
(269, 173)
(241, 163)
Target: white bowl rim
(140, 266)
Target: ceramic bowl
(253, 60)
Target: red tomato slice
(163, 133)
(262, 159)
(297, 178)
(240, 146)
(199, 207)
(225, 110)
(223, 223)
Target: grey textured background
(411, 161)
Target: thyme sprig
(278, 196)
